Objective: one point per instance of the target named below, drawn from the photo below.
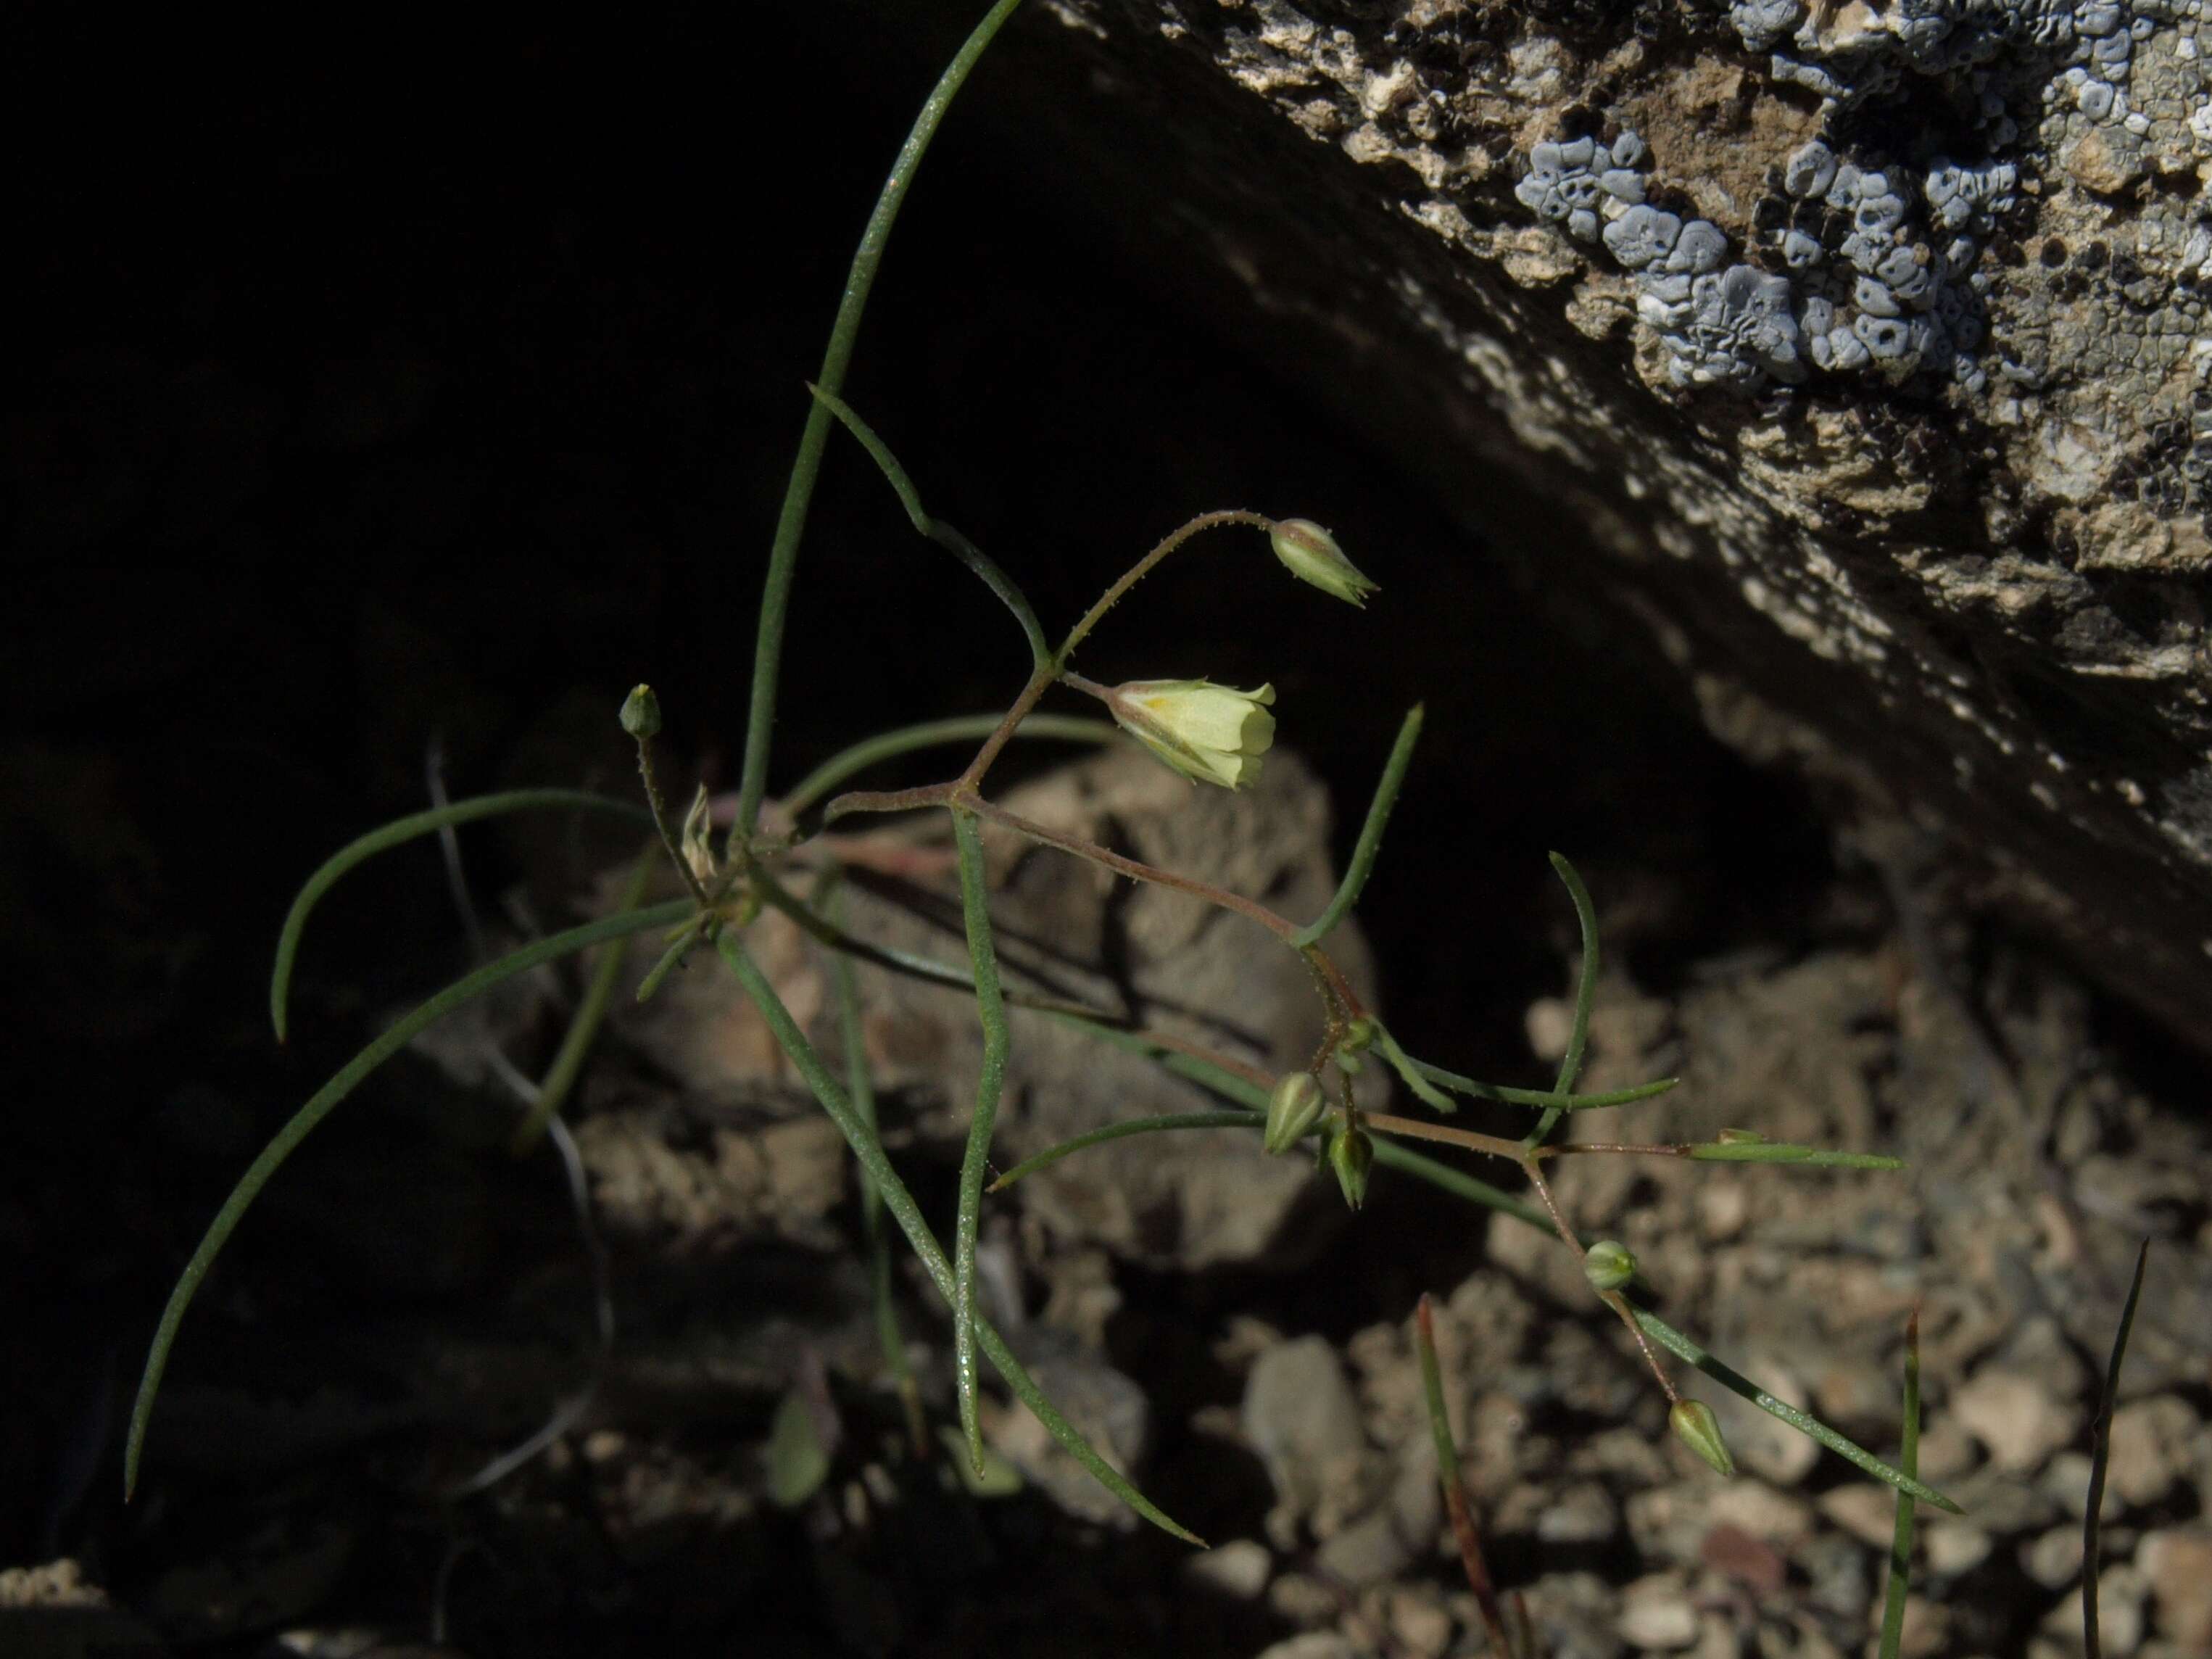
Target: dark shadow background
(377, 389)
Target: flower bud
(1696, 1427)
(1312, 554)
(640, 713)
(1351, 1155)
(1293, 1108)
(1214, 734)
(1609, 1265)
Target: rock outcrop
(1866, 343)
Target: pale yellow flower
(1214, 734)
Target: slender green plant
(1908, 1460)
(2092, 1516)
(1214, 734)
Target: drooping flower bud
(1696, 1427)
(1293, 1108)
(1351, 1155)
(1214, 734)
(1609, 1265)
(640, 713)
(1312, 554)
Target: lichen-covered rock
(1869, 340)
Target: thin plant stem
(591, 1014)
(1348, 1003)
(817, 784)
(974, 1162)
(807, 467)
(320, 1106)
(1143, 568)
(1455, 1484)
(1908, 1462)
(398, 833)
(860, 1086)
(1612, 1299)
(1370, 844)
(888, 800)
(2101, 1439)
(1414, 1129)
(904, 1210)
(1041, 677)
(660, 807)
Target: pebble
(1583, 1514)
(2178, 1566)
(2066, 1483)
(1238, 1568)
(1302, 1418)
(1656, 1615)
(1954, 1547)
(1421, 1623)
(1947, 1452)
(1771, 1516)
(2016, 1418)
(2151, 1447)
(1927, 1629)
(1313, 1644)
(1765, 1445)
(1383, 1543)
(1838, 1568)
(1868, 1513)
(2120, 1592)
(2055, 1558)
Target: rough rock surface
(1867, 340)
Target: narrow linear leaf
(591, 1014)
(398, 833)
(1393, 1155)
(1121, 1131)
(861, 1085)
(1370, 844)
(1776, 1152)
(987, 569)
(806, 465)
(2092, 1545)
(1570, 1065)
(931, 734)
(1908, 1462)
(1399, 1061)
(1804, 1422)
(900, 1202)
(1550, 1099)
(320, 1106)
(824, 932)
(975, 1160)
